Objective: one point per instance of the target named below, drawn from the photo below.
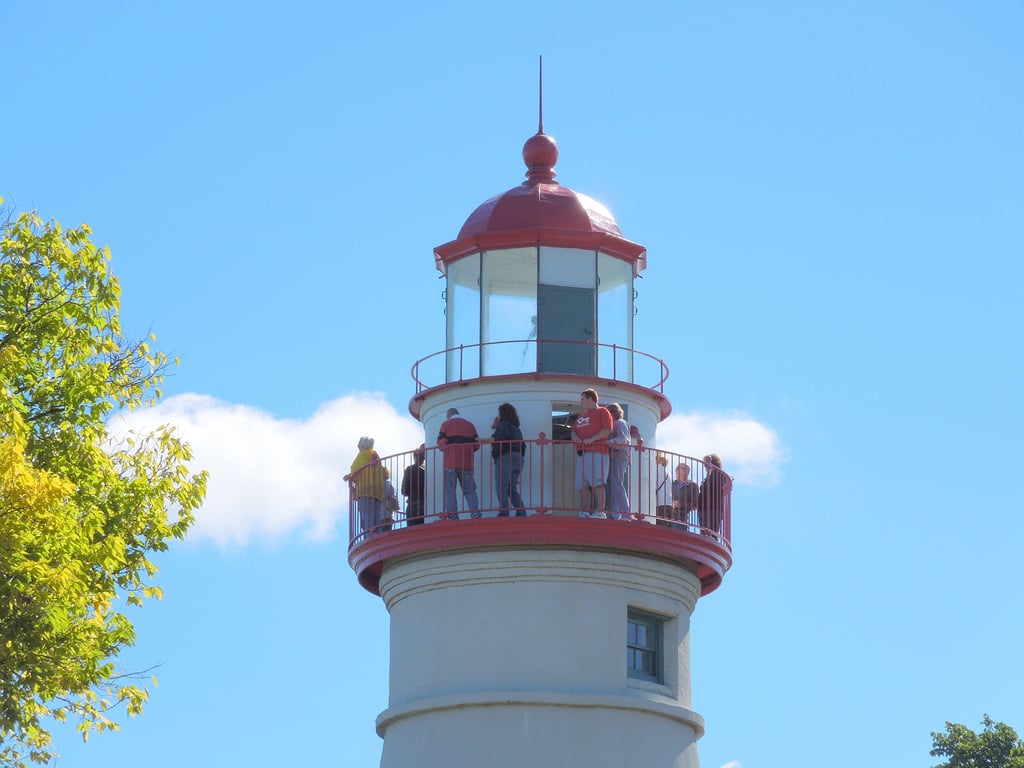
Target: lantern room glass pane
(509, 311)
(463, 311)
(569, 267)
(567, 311)
(615, 317)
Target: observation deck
(694, 534)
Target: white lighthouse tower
(545, 640)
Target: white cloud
(750, 451)
(733, 764)
(269, 476)
(272, 477)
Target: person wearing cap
(459, 442)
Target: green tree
(997, 746)
(81, 512)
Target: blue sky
(831, 195)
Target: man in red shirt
(458, 442)
(590, 432)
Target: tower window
(644, 646)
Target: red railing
(499, 358)
(547, 487)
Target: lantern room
(540, 279)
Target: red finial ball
(540, 153)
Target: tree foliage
(997, 746)
(81, 513)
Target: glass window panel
(615, 317)
(641, 635)
(570, 267)
(647, 663)
(463, 310)
(643, 646)
(509, 301)
(567, 311)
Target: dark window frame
(645, 642)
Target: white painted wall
(517, 657)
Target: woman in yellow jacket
(366, 479)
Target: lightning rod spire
(540, 105)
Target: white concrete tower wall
(512, 657)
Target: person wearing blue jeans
(371, 513)
(510, 467)
(618, 462)
(460, 477)
(459, 442)
(367, 484)
(507, 450)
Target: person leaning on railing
(458, 442)
(507, 449)
(367, 476)
(590, 432)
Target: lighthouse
(544, 639)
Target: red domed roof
(540, 211)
